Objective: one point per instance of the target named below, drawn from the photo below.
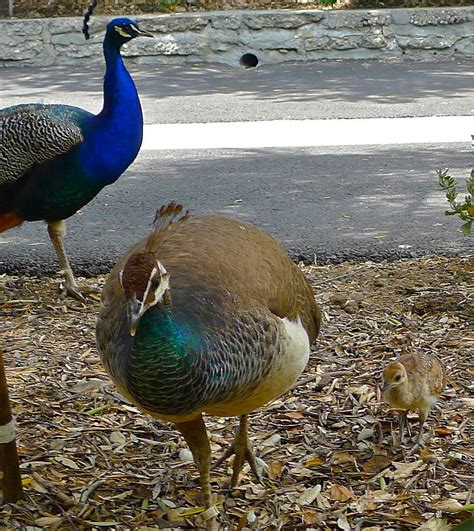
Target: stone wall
(273, 36)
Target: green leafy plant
(465, 209)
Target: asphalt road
(296, 91)
(325, 203)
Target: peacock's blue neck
(120, 93)
(115, 136)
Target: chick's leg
(419, 442)
(243, 452)
(421, 420)
(195, 434)
(57, 231)
(402, 422)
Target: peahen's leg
(57, 231)
(243, 452)
(195, 434)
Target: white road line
(301, 133)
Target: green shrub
(464, 210)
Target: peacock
(54, 159)
(207, 315)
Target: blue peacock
(54, 159)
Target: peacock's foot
(70, 289)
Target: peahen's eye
(154, 284)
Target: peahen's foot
(195, 434)
(243, 453)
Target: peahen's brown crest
(166, 218)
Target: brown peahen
(206, 315)
(54, 159)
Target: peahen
(206, 315)
(54, 159)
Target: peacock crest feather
(87, 16)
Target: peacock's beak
(144, 33)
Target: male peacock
(54, 159)
(206, 315)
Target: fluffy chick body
(413, 382)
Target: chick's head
(393, 375)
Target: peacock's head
(122, 30)
(144, 281)
(393, 375)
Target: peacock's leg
(195, 434)
(57, 231)
(243, 452)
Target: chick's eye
(398, 378)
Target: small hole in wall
(248, 60)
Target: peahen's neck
(117, 131)
(162, 361)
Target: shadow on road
(350, 81)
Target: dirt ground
(58, 8)
(332, 461)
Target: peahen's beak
(135, 312)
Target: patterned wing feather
(28, 137)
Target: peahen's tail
(9, 220)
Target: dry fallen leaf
(435, 524)
(446, 506)
(405, 470)
(49, 521)
(341, 493)
(309, 495)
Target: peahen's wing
(28, 137)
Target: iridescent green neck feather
(163, 362)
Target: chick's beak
(386, 386)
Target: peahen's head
(122, 30)
(144, 281)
